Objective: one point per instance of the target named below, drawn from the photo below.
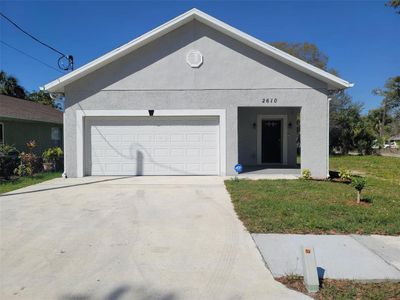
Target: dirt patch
(363, 203)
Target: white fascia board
(333, 81)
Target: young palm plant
(358, 183)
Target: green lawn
(300, 206)
(20, 182)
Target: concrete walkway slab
(386, 247)
(129, 238)
(337, 256)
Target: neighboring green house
(22, 121)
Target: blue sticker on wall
(238, 168)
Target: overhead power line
(69, 58)
(30, 56)
(30, 35)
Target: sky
(361, 38)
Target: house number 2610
(269, 100)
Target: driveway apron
(129, 238)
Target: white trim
(327, 135)
(64, 174)
(80, 114)
(284, 119)
(195, 14)
(3, 134)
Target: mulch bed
(345, 289)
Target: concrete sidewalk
(359, 257)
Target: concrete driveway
(129, 238)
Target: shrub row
(14, 162)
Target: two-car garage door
(152, 146)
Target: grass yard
(20, 182)
(301, 206)
(346, 289)
(375, 168)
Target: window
(55, 136)
(55, 133)
(1, 133)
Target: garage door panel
(152, 146)
(209, 168)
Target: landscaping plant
(29, 162)
(8, 160)
(358, 183)
(52, 158)
(306, 174)
(345, 174)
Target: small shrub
(6, 149)
(29, 164)
(23, 170)
(358, 183)
(53, 156)
(306, 174)
(8, 160)
(345, 174)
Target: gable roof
(20, 109)
(333, 82)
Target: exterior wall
(233, 75)
(18, 132)
(247, 134)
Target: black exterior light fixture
(151, 112)
(254, 125)
(290, 125)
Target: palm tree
(10, 86)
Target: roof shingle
(15, 108)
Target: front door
(271, 141)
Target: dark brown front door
(271, 141)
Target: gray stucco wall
(233, 75)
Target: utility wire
(30, 35)
(69, 58)
(30, 56)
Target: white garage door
(152, 146)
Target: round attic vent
(194, 58)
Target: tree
(394, 4)
(348, 123)
(308, 52)
(374, 121)
(10, 86)
(339, 104)
(364, 136)
(40, 97)
(390, 103)
(341, 107)
(347, 128)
